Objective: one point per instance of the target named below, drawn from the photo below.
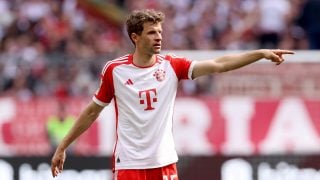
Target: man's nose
(159, 36)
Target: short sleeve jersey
(144, 102)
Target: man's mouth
(157, 45)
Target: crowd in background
(55, 47)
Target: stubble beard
(156, 51)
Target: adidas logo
(129, 82)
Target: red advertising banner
(202, 126)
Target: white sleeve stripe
(191, 69)
(112, 62)
(120, 59)
(100, 103)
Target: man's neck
(143, 60)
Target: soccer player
(143, 86)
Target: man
(58, 125)
(143, 86)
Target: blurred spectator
(58, 125)
(294, 36)
(272, 21)
(310, 22)
(6, 17)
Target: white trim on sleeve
(191, 69)
(100, 103)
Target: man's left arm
(235, 61)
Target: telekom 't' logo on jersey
(148, 97)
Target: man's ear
(134, 37)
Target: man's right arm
(86, 118)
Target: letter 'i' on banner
(238, 112)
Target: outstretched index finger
(283, 51)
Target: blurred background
(260, 122)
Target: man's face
(150, 39)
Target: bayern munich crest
(160, 75)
